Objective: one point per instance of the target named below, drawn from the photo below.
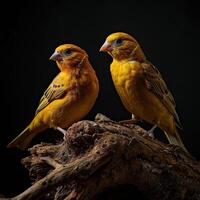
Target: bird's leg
(133, 120)
(151, 131)
(63, 131)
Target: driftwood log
(102, 154)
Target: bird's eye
(67, 52)
(118, 42)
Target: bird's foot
(130, 121)
(63, 131)
(151, 131)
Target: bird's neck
(135, 54)
(72, 64)
(80, 69)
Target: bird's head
(122, 46)
(69, 55)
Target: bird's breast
(81, 96)
(128, 80)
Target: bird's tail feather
(23, 140)
(176, 140)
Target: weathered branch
(97, 155)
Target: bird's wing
(157, 85)
(56, 90)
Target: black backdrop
(31, 30)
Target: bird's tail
(23, 140)
(176, 140)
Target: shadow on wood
(102, 154)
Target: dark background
(30, 31)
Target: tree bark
(101, 154)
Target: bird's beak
(56, 56)
(106, 47)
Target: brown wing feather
(56, 90)
(157, 85)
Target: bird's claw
(128, 121)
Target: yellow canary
(69, 97)
(140, 85)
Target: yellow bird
(69, 97)
(141, 87)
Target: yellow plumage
(70, 96)
(137, 99)
(140, 85)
